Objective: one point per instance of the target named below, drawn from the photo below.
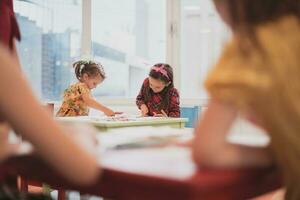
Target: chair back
(191, 113)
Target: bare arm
(15, 55)
(91, 102)
(210, 147)
(23, 112)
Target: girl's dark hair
(91, 68)
(164, 73)
(245, 14)
(159, 74)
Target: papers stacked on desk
(124, 117)
(117, 118)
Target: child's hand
(4, 132)
(109, 112)
(144, 110)
(163, 114)
(118, 113)
(8, 150)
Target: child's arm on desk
(91, 102)
(210, 147)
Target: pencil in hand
(164, 113)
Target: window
(51, 36)
(202, 37)
(128, 36)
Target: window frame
(173, 37)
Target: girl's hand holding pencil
(162, 114)
(144, 110)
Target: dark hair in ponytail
(91, 68)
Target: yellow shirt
(73, 104)
(265, 79)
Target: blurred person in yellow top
(258, 77)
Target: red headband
(161, 70)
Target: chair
(191, 113)
(24, 183)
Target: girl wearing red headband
(158, 97)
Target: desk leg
(23, 184)
(182, 124)
(61, 194)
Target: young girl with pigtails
(77, 98)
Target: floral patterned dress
(73, 104)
